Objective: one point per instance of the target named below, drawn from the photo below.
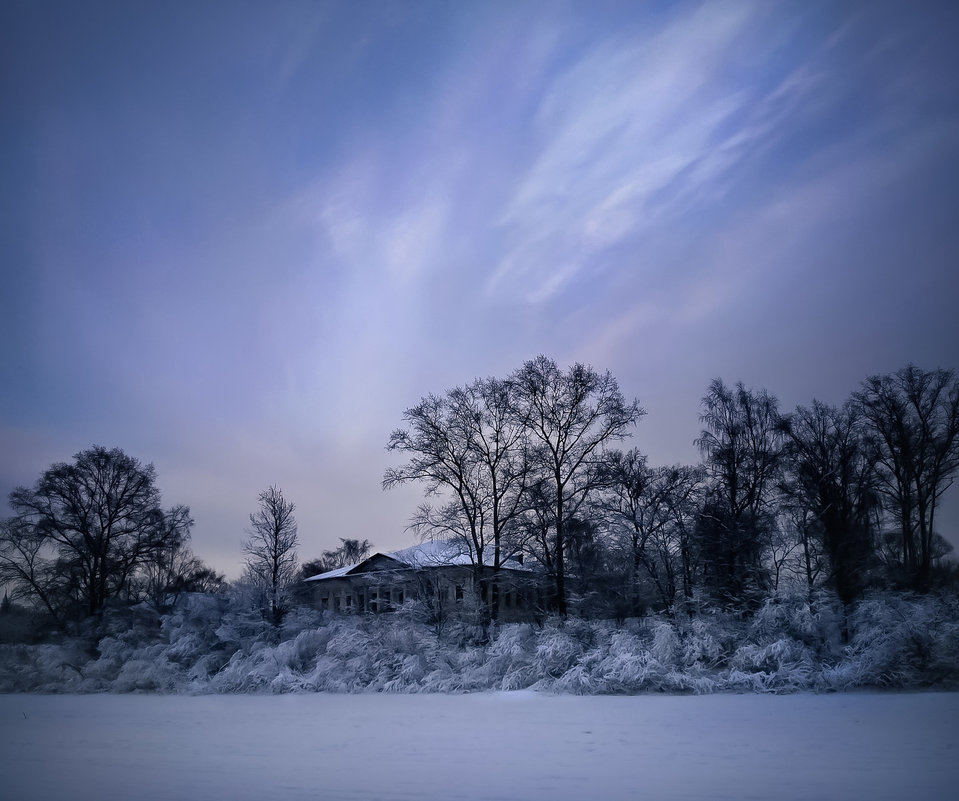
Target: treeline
(841, 498)
(821, 496)
(92, 534)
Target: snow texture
(490, 746)
(789, 645)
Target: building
(442, 573)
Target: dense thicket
(791, 643)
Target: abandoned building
(441, 573)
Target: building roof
(432, 553)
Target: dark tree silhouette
(469, 449)
(271, 549)
(650, 511)
(86, 529)
(349, 553)
(913, 416)
(571, 418)
(829, 473)
(741, 445)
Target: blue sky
(238, 239)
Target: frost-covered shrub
(814, 621)
(470, 664)
(299, 619)
(628, 666)
(41, 668)
(702, 648)
(205, 645)
(147, 672)
(900, 641)
(245, 630)
(666, 645)
(510, 657)
(777, 651)
(557, 649)
(781, 665)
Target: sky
(239, 239)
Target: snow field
(491, 746)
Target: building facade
(442, 574)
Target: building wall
(446, 589)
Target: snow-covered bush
(702, 647)
(559, 645)
(629, 666)
(783, 665)
(206, 645)
(510, 657)
(900, 641)
(51, 667)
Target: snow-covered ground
(489, 746)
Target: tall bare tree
(85, 530)
(741, 444)
(271, 549)
(650, 511)
(468, 448)
(571, 416)
(829, 473)
(501, 447)
(914, 418)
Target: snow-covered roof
(432, 553)
(336, 573)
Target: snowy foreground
(520, 745)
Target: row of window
(384, 598)
(378, 600)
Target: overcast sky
(238, 239)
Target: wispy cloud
(616, 128)
(635, 134)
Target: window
(349, 601)
(459, 592)
(399, 595)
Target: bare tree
(650, 511)
(571, 418)
(502, 449)
(176, 572)
(438, 444)
(349, 553)
(741, 445)
(468, 449)
(27, 571)
(87, 528)
(271, 549)
(913, 416)
(829, 473)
